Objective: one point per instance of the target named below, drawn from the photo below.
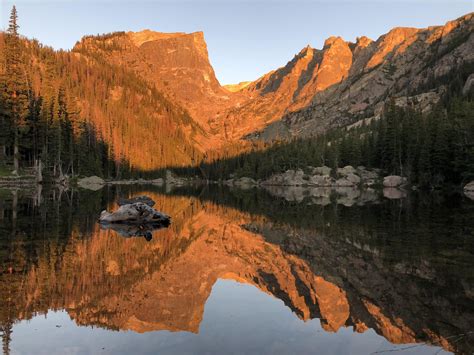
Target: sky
(245, 38)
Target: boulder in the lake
(144, 199)
(134, 213)
(394, 181)
(91, 183)
(469, 190)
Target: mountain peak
(329, 42)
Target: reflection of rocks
(93, 183)
(346, 196)
(394, 181)
(134, 213)
(243, 182)
(393, 193)
(141, 230)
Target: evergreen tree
(16, 85)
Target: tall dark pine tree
(16, 88)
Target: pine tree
(16, 85)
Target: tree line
(40, 124)
(430, 149)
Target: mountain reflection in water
(367, 278)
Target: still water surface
(238, 272)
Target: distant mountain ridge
(342, 84)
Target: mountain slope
(346, 82)
(141, 125)
(177, 64)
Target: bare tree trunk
(16, 155)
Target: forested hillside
(83, 116)
(431, 150)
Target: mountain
(345, 82)
(177, 64)
(156, 102)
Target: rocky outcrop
(394, 181)
(93, 183)
(172, 179)
(366, 77)
(469, 190)
(347, 176)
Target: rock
(134, 213)
(469, 190)
(158, 181)
(322, 170)
(93, 183)
(346, 170)
(350, 179)
(134, 230)
(172, 179)
(353, 178)
(245, 182)
(321, 180)
(347, 196)
(343, 182)
(143, 199)
(394, 181)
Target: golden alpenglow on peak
(326, 207)
(141, 37)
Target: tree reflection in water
(400, 267)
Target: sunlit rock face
(339, 84)
(334, 274)
(178, 65)
(360, 77)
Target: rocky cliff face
(343, 83)
(352, 81)
(175, 63)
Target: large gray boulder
(320, 180)
(134, 213)
(93, 183)
(469, 190)
(144, 199)
(394, 181)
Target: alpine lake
(256, 271)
